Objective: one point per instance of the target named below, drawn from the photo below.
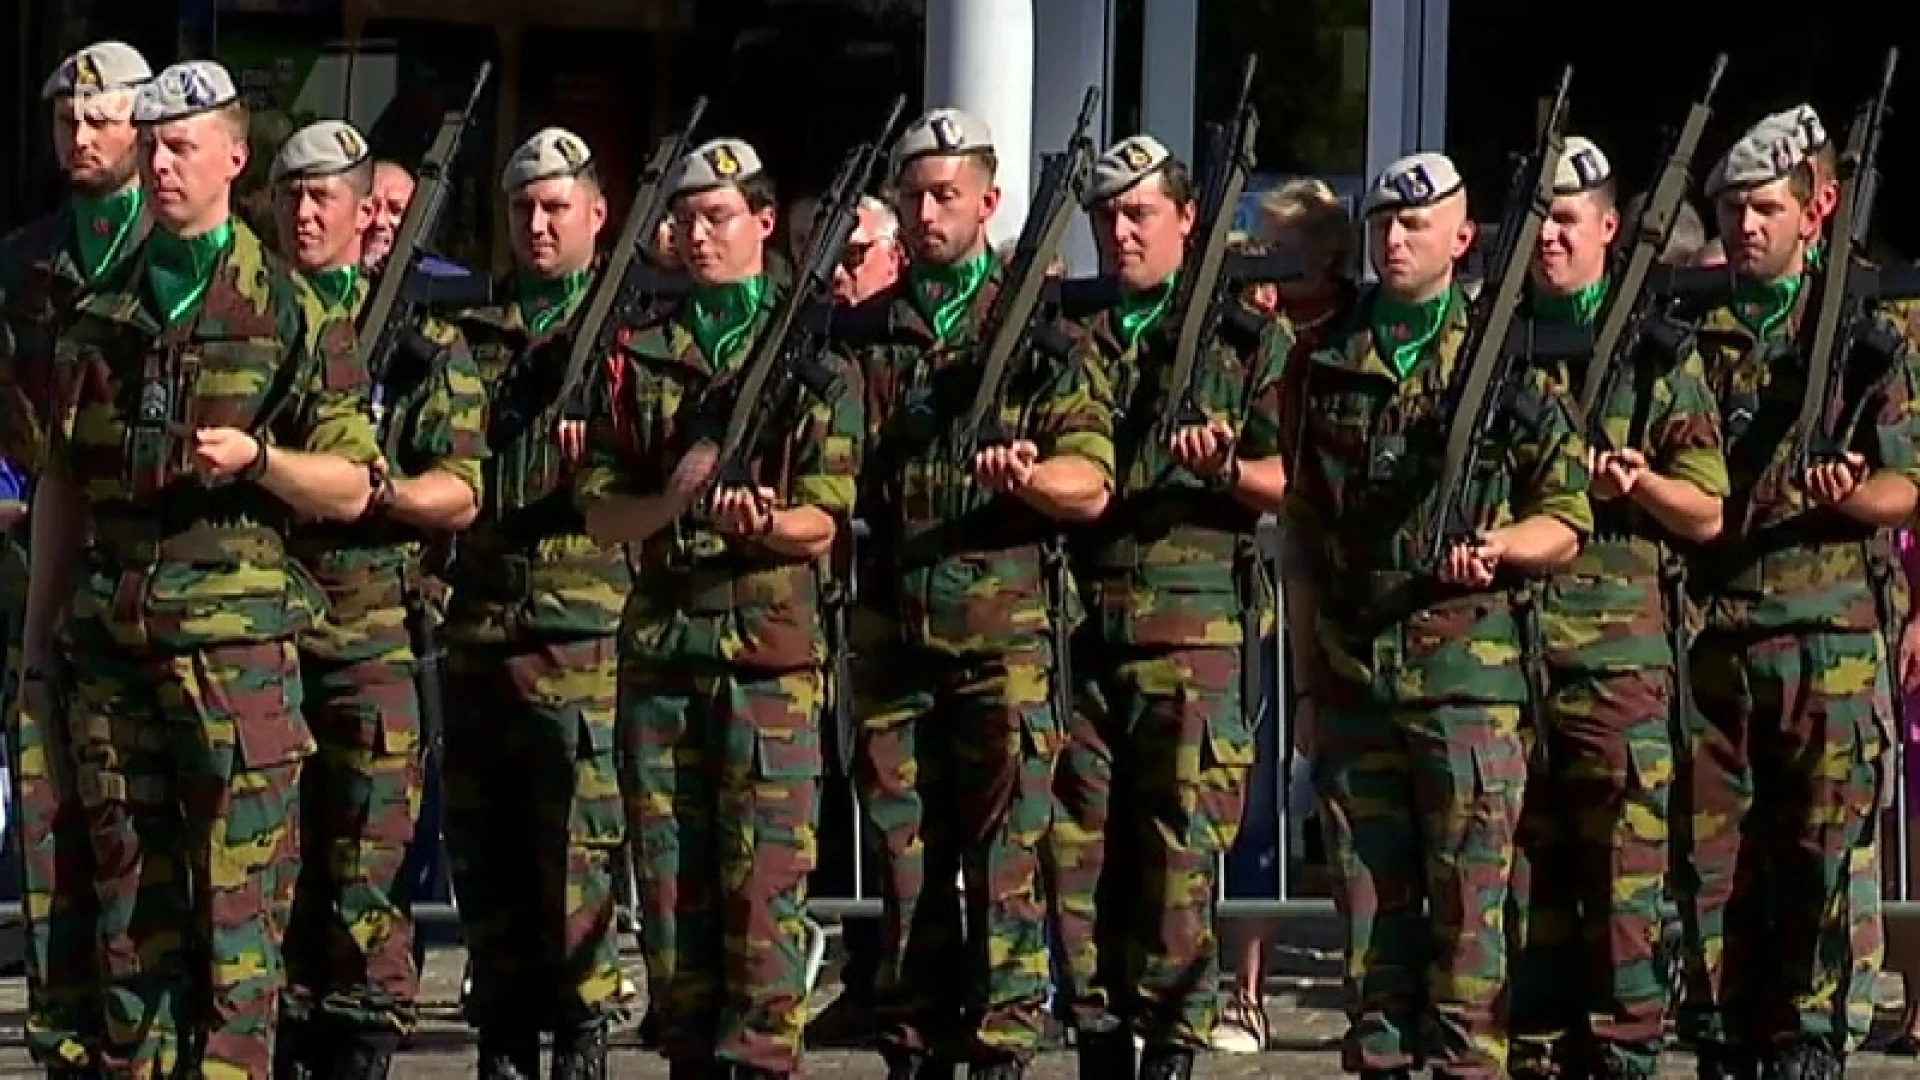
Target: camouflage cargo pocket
(256, 689)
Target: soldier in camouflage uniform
(43, 266)
(1781, 777)
(722, 644)
(211, 400)
(1587, 996)
(349, 950)
(1152, 782)
(533, 814)
(959, 731)
(1418, 755)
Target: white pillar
(980, 60)
(1170, 53)
(1073, 49)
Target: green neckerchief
(545, 301)
(335, 285)
(1816, 253)
(1401, 330)
(1761, 306)
(179, 269)
(1137, 312)
(1579, 307)
(943, 293)
(719, 316)
(100, 228)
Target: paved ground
(1302, 1006)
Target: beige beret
(943, 133)
(1769, 150)
(327, 148)
(1412, 182)
(102, 66)
(549, 153)
(713, 164)
(1583, 167)
(184, 90)
(1130, 161)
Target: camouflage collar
(663, 340)
(1722, 321)
(237, 303)
(906, 322)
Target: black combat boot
(580, 1053)
(509, 1053)
(363, 1055)
(1105, 1055)
(1807, 1059)
(1166, 1063)
(299, 1052)
(1716, 1061)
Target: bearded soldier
(1781, 774)
(1153, 780)
(351, 975)
(43, 268)
(721, 673)
(213, 401)
(1418, 752)
(533, 813)
(959, 731)
(1588, 997)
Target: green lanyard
(719, 316)
(943, 293)
(179, 269)
(1140, 311)
(545, 301)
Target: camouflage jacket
(364, 567)
(1366, 485)
(1782, 562)
(957, 569)
(701, 596)
(1173, 561)
(178, 564)
(527, 570)
(39, 277)
(1606, 612)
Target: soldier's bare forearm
(1539, 544)
(1067, 488)
(435, 501)
(630, 519)
(1262, 484)
(800, 532)
(1884, 500)
(59, 533)
(320, 486)
(1681, 508)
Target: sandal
(1242, 1028)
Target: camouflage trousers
(349, 943)
(723, 786)
(1420, 804)
(954, 768)
(1775, 861)
(1589, 879)
(1151, 787)
(188, 765)
(533, 819)
(58, 905)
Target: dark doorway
(1637, 69)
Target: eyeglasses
(855, 255)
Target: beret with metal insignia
(184, 90)
(713, 164)
(1128, 162)
(943, 133)
(102, 66)
(1769, 150)
(327, 148)
(549, 153)
(1415, 181)
(1583, 167)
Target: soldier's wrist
(257, 468)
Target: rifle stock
(1486, 362)
(1630, 303)
(389, 324)
(1062, 180)
(1843, 312)
(786, 355)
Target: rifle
(1062, 181)
(787, 354)
(842, 585)
(1844, 318)
(1631, 308)
(1197, 292)
(625, 282)
(1476, 395)
(389, 341)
